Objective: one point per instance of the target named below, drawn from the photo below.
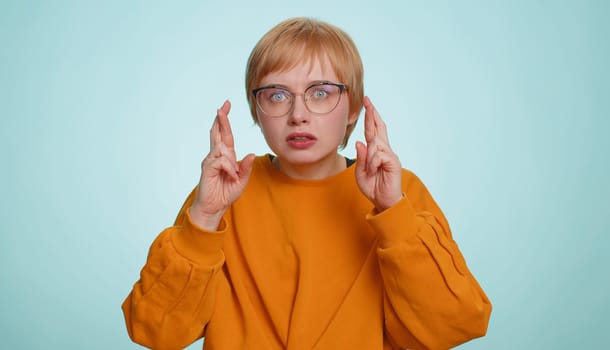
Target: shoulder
(414, 187)
(409, 178)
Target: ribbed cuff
(201, 246)
(396, 224)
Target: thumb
(245, 166)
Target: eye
(320, 93)
(277, 96)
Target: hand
(378, 170)
(222, 179)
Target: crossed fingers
(374, 127)
(378, 150)
(221, 129)
(222, 152)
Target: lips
(300, 136)
(301, 140)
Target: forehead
(303, 72)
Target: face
(302, 138)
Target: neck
(333, 165)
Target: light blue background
(500, 107)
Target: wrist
(382, 206)
(208, 221)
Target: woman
(304, 248)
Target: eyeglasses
(320, 98)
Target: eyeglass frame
(342, 88)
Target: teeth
(300, 138)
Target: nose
(299, 113)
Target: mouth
(300, 140)
(301, 137)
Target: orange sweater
(309, 265)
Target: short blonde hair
(296, 40)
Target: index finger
(226, 134)
(375, 124)
(369, 124)
(223, 131)
(214, 133)
(380, 128)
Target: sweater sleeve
(172, 302)
(431, 300)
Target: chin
(292, 158)
(303, 157)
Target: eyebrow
(274, 86)
(310, 84)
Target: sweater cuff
(198, 245)
(395, 224)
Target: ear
(353, 118)
(257, 119)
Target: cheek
(342, 117)
(270, 130)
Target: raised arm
(431, 299)
(172, 302)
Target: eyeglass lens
(319, 99)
